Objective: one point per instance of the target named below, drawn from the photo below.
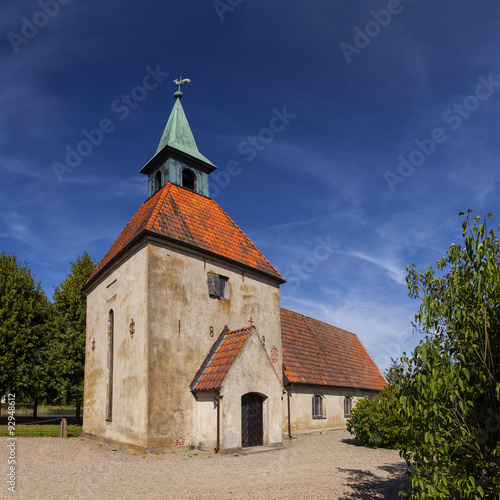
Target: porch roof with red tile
(220, 359)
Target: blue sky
(347, 134)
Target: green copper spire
(177, 133)
(177, 159)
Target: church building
(186, 342)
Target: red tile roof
(317, 353)
(314, 353)
(220, 359)
(179, 214)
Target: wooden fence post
(64, 428)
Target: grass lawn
(41, 427)
(27, 409)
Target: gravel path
(329, 465)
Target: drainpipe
(217, 404)
(288, 389)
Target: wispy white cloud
(395, 272)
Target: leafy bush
(375, 420)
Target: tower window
(218, 286)
(157, 181)
(188, 179)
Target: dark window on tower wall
(218, 286)
(157, 181)
(189, 179)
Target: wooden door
(252, 429)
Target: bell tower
(177, 159)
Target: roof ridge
(223, 212)
(211, 354)
(318, 353)
(104, 261)
(163, 194)
(251, 242)
(232, 339)
(371, 357)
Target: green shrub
(375, 421)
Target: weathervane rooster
(180, 82)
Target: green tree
(70, 303)
(450, 396)
(25, 335)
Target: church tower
(183, 339)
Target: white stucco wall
(333, 403)
(204, 421)
(124, 290)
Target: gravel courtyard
(329, 465)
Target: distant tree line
(42, 342)
(441, 407)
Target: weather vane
(180, 82)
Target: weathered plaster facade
(124, 291)
(164, 289)
(302, 419)
(184, 324)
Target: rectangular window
(223, 287)
(218, 286)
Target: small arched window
(111, 334)
(347, 406)
(189, 179)
(317, 406)
(157, 181)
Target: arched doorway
(252, 428)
